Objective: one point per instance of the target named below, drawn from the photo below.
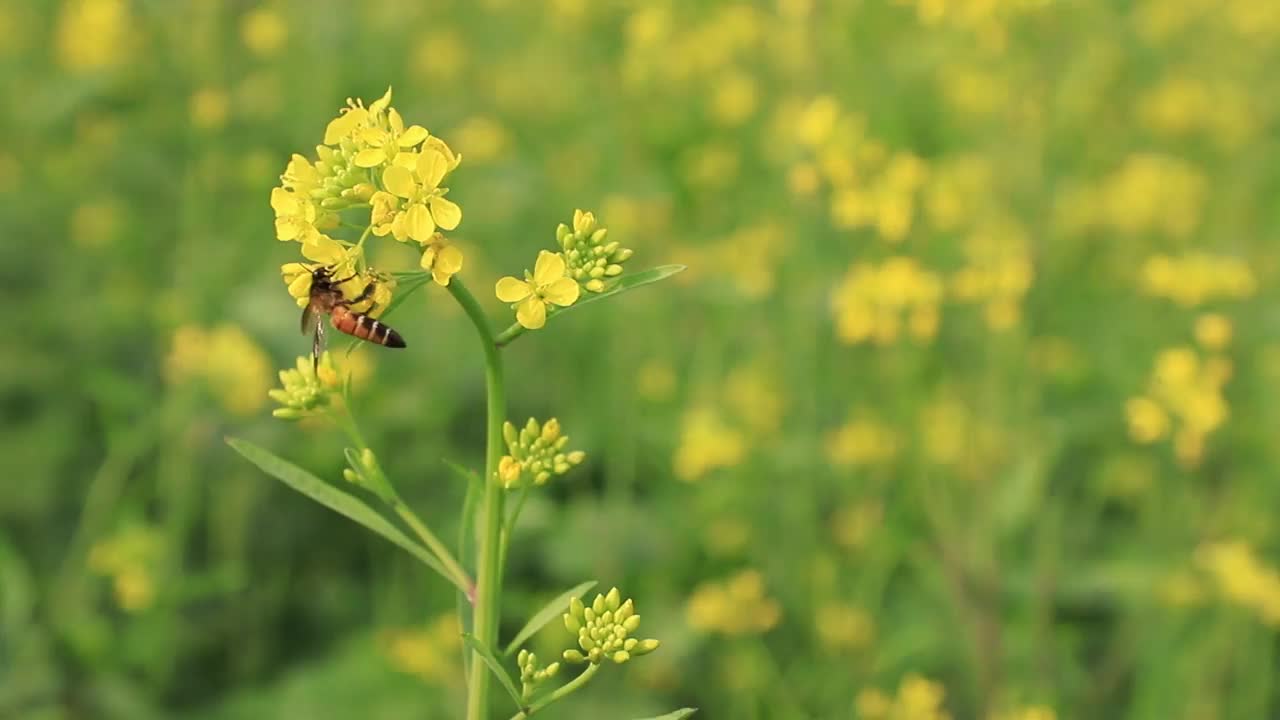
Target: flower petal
(324, 249)
(431, 167)
(399, 181)
(413, 135)
(301, 286)
(418, 222)
(511, 290)
(370, 157)
(548, 269)
(531, 313)
(395, 121)
(381, 103)
(447, 214)
(449, 259)
(562, 292)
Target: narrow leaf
(336, 500)
(496, 666)
(675, 714)
(549, 612)
(627, 282)
(616, 286)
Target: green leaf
(624, 283)
(336, 500)
(548, 613)
(616, 286)
(496, 666)
(675, 714)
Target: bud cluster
(604, 630)
(531, 676)
(306, 388)
(536, 453)
(589, 257)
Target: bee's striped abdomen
(366, 328)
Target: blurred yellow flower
(733, 99)
(130, 558)
(853, 525)
(1242, 578)
(918, 698)
(861, 441)
(1213, 331)
(225, 359)
(483, 137)
(841, 627)
(96, 223)
(706, 444)
(1196, 278)
(264, 31)
(93, 34)
(547, 286)
(736, 606)
(870, 301)
(1186, 389)
(209, 108)
(428, 652)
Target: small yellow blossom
(226, 360)
(1213, 331)
(547, 286)
(420, 205)
(295, 216)
(129, 558)
(442, 259)
(427, 652)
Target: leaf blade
(675, 714)
(617, 286)
(548, 613)
(336, 500)
(496, 666)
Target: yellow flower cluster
(998, 271)
(862, 441)
(737, 606)
(1242, 578)
(129, 558)
(707, 443)
(1187, 389)
(842, 627)
(918, 698)
(1148, 193)
(370, 161)
(871, 301)
(1196, 278)
(226, 360)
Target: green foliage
(963, 402)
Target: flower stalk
(489, 547)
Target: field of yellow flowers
(964, 407)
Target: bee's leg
(364, 295)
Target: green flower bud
(307, 389)
(603, 629)
(595, 285)
(574, 656)
(535, 453)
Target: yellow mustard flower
(415, 178)
(355, 117)
(383, 144)
(442, 259)
(547, 286)
(295, 215)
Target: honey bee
(327, 299)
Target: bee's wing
(308, 319)
(313, 322)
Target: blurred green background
(964, 407)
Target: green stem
(510, 525)
(489, 572)
(511, 333)
(433, 544)
(560, 692)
